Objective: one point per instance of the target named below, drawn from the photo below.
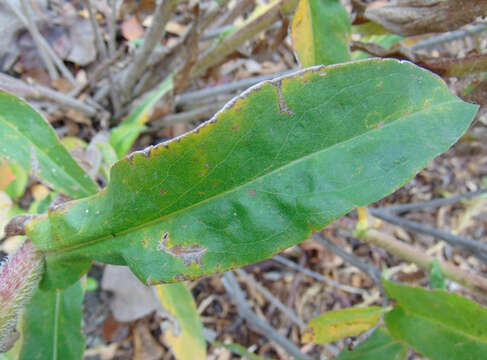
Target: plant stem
(39, 92)
(433, 203)
(374, 273)
(423, 260)
(477, 248)
(319, 277)
(233, 289)
(19, 277)
(153, 37)
(249, 279)
(220, 50)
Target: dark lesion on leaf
(283, 108)
(16, 226)
(186, 254)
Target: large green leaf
(124, 135)
(280, 161)
(186, 337)
(337, 324)
(437, 324)
(320, 31)
(28, 139)
(379, 346)
(52, 325)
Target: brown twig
(102, 51)
(432, 203)
(153, 37)
(27, 20)
(423, 260)
(233, 289)
(200, 113)
(477, 248)
(112, 24)
(39, 92)
(214, 54)
(249, 279)
(374, 273)
(97, 73)
(317, 276)
(42, 44)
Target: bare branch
(477, 248)
(220, 50)
(153, 37)
(423, 260)
(433, 203)
(271, 298)
(374, 273)
(233, 289)
(39, 92)
(314, 274)
(41, 43)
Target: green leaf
(437, 324)
(123, 136)
(379, 346)
(279, 162)
(320, 31)
(16, 188)
(52, 325)
(40, 206)
(240, 350)
(28, 139)
(386, 41)
(437, 280)
(338, 324)
(186, 338)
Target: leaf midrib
(291, 163)
(61, 169)
(57, 310)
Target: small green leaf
(52, 325)
(40, 206)
(123, 136)
(16, 188)
(338, 324)
(437, 324)
(28, 139)
(185, 338)
(240, 350)
(437, 280)
(379, 346)
(386, 41)
(276, 164)
(91, 284)
(320, 31)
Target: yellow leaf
(185, 336)
(338, 324)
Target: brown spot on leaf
(283, 108)
(252, 192)
(163, 191)
(186, 254)
(379, 85)
(16, 226)
(235, 127)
